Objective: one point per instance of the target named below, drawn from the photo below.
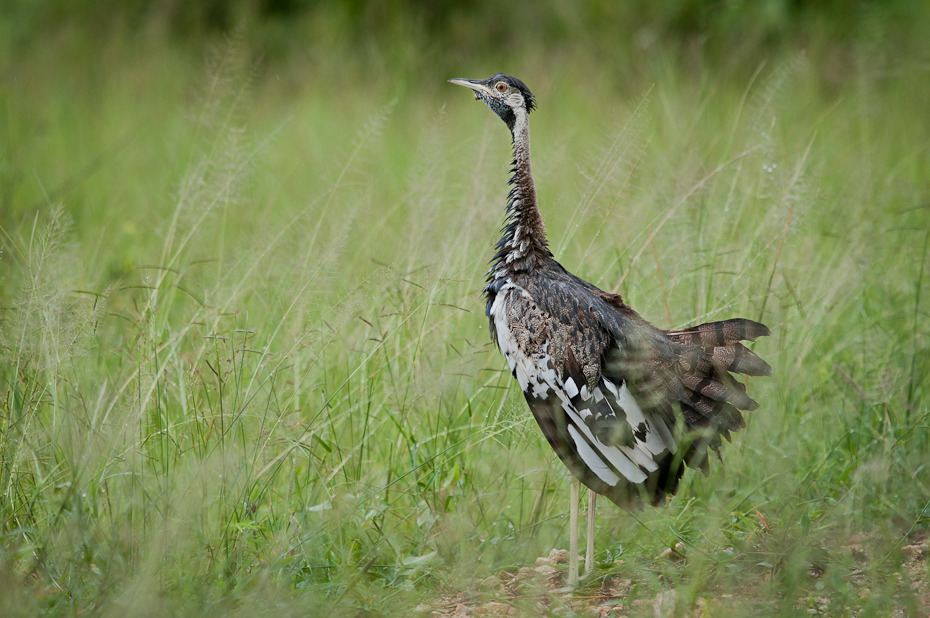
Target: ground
(541, 589)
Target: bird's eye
(501, 86)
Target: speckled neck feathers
(524, 241)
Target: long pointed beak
(474, 84)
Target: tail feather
(717, 411)
(708, 354)
(723, 333)
(719, 343)
(740, 359)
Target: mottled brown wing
(617, 442)
(643, 388)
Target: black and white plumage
(624, 404)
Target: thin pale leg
(573, 532)
(589, 539)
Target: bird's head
(507, 96)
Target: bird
(625, 405)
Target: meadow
(244, 362)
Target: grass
(246, 370)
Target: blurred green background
(85, 80)
(244, 366)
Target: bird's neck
(524, 241)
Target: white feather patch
(657, 440)
(535, 373)
(617, 459)
(591, 459)
(571, 389)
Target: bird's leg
(573, 532)
(589, 550)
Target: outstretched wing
(623, 404)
